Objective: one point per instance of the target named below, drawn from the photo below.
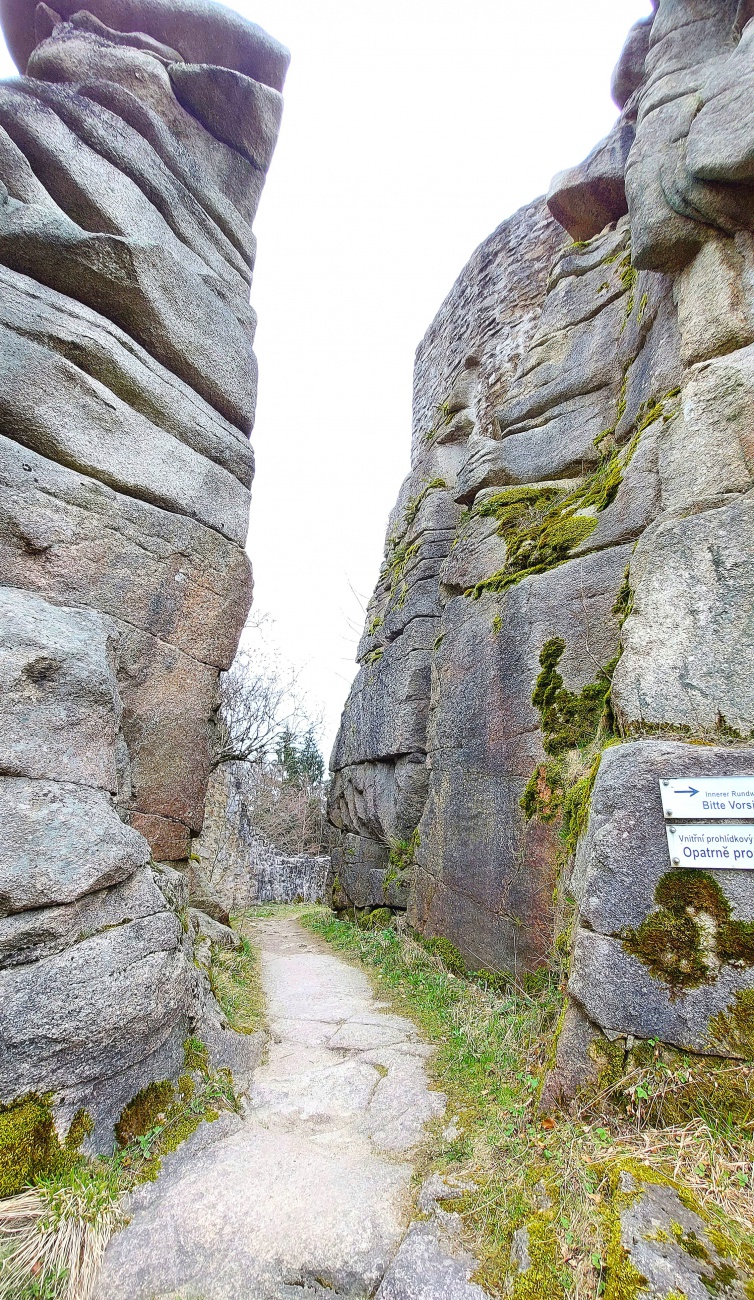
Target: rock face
(233, 866)
(563, 615)
(133, 150)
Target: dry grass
(54, 1238)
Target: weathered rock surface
(588, 406)
(133, 149)
(621, 861)
(669, 1247)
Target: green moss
(628, 277)
(742, 1251)
(498, 981)
(29, 1143)
(447, 952)
(625, 599)
(515, 505)
(182, 1127)
(196, 1055)
(497, 625)
(401, 858)
(546, 1276)
(576, 806)
(379, 919)
(661, 1087)
(610, 1060)
(669, 947)
(655, 409)
(543, 796)
(623, 1281)
(402, 853)
(692, 891)
(142, 1112)
(374, 656)
(692, 934)
(733, 1029)
(82, 1125)
(569, 719)
(690, 1242)
(394, 568)
(543, 526)
(374, 625)
(413, 504)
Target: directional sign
(726, 847)
(707, 797)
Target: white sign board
(709, 797)
(727, 847)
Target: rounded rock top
(201, 32)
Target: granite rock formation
(563, 614)
(133, 150)
(232, 865)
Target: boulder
(672, 1247)
(680, 995)
(60, 843)
(589, 197)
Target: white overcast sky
(411, 129)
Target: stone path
(310, 1193)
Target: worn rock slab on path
(309, 1193)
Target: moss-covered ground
(666, 1116)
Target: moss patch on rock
(543, 796)
(732, 1030)
(144, 1111)
(449, 955)
(542, 526)
(692, 934)
(29, 1144)
(570, 719)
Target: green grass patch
(555, 1175)
(236, 980)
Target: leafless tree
(260, 701)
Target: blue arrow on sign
(691, 791)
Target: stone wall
(564, 610)
(133, 150)
(233, 866)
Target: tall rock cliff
(563, 614)
(133, 151)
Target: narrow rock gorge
(133, 152)
(563, 614)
